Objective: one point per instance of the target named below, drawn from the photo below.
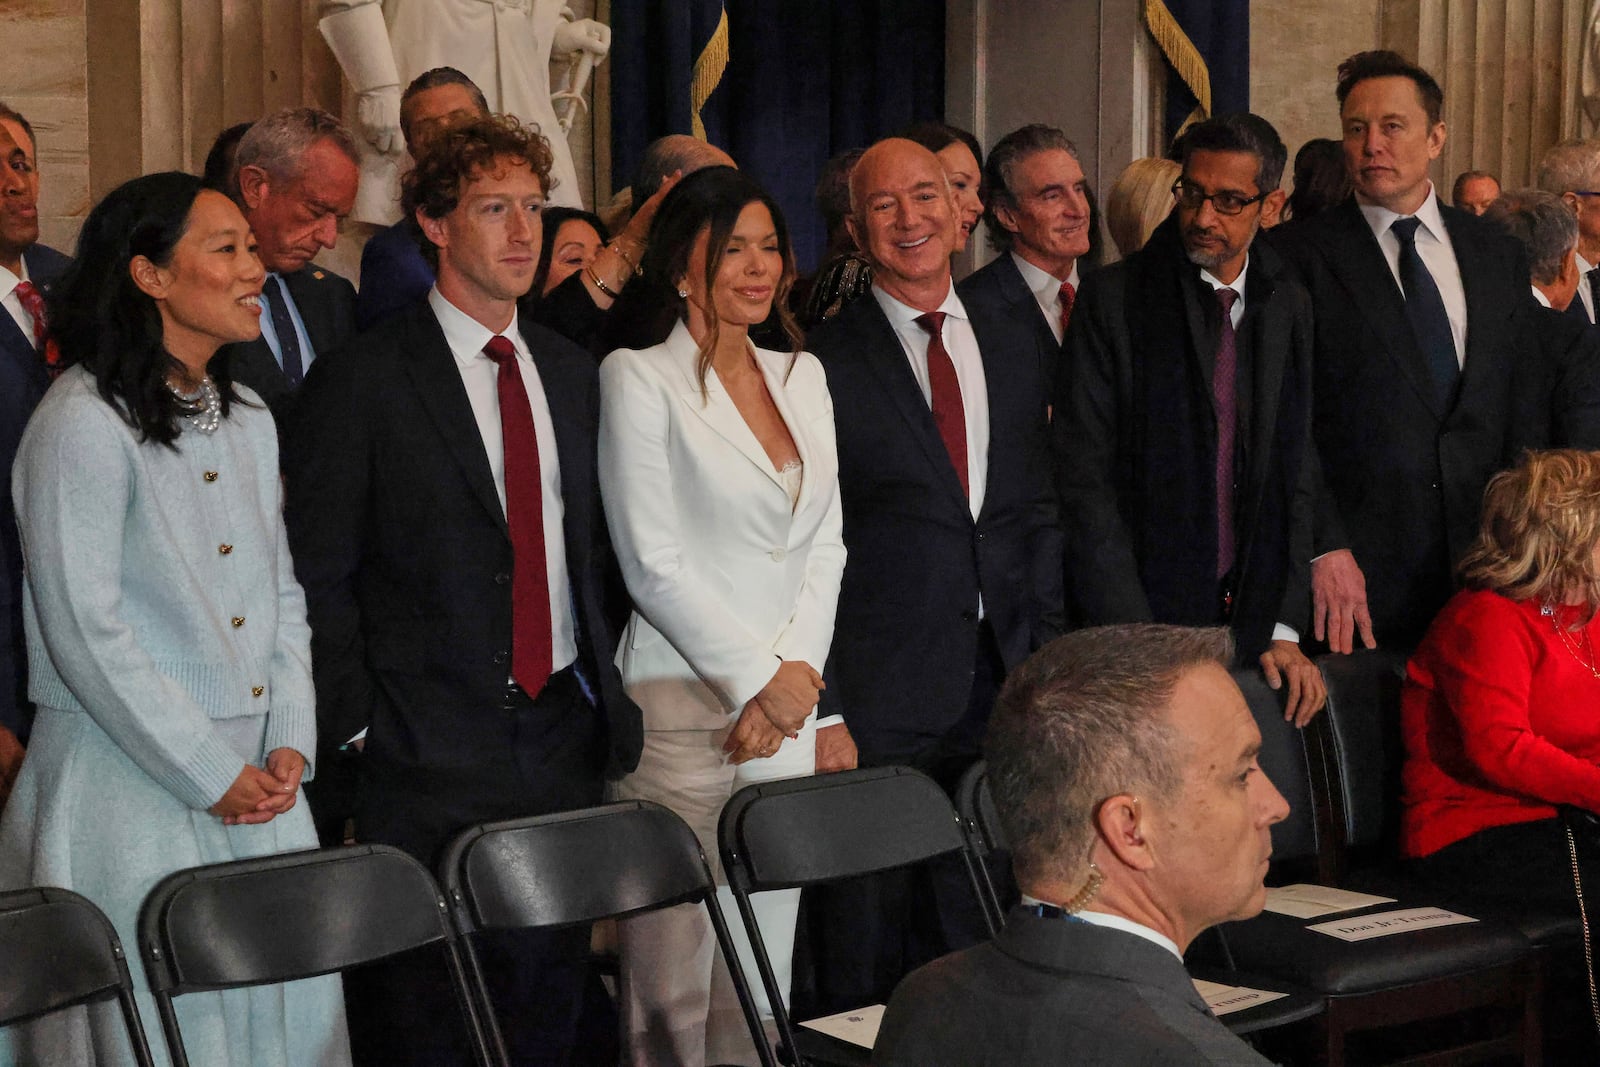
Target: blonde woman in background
(1140, 200)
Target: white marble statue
(505, 46)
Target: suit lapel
(1479, 285)
(715, 407)
(575, 437)
(886, 357)
(433, 371)
(1270, 349)
(303, 291)
(1356, 260)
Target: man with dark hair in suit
(444, 513)
(394, 274)
(1122, 762)
(954, 568)
(1474, 191)
(1422, 317)
(1183, 417)
(1564, 400)
(296, 172)
(1039, 219)
(27, 269)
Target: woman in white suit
(720, 480)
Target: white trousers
(677, 1002)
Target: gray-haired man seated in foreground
(1123, 766)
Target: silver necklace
(201, 409)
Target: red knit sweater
(1501, 721)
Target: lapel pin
(317, 274)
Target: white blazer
(726, 579)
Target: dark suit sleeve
(570, 311)
(1102, 574)
(1577, 393)
(1295, 612)
(327, 458)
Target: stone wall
(44, 79)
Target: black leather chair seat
(1283, 946)
(1542, 925)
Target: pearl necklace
(1567, 642)
(201, 409)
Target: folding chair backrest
(1363, 717)
(1297, 841)
(575, 867)
(975, 804)
(58, 950)
(284, 917)
(801, 831)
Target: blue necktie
(283, 325)
(1425, 309)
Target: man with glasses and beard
(1182, 421)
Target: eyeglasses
(1584, 192)
(1191, 197)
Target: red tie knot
(932, 321)
(500, 349)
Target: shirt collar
(1544, 301)
(1117, 922)
(465, 335)
(903, 315)
(1237, 285)
(10, 281)
(1380, 218)
(1043, 284)
(1584, 266)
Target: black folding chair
(575, 867)
(798, 832)
(982, 822)
(292, 916)
(57, 951)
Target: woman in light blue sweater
(168, 651)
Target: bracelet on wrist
(594, 276)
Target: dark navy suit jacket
(22, 382)
(393, 274)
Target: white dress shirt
(1585, 290)
(1117, 922)
(12, 302)
(962, 344)
(1046, 289)
(1438, 255)
(466, 338)
(1538, 294)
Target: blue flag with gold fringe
(1206, 45)
(667, 62)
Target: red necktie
(948, 413)
(1068, 296)
(33, 304)
(530, 584)
(1224, 385)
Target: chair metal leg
(769, 980)
(741, 985)
(169, 1030)
(135, 1027)
(482, 1026)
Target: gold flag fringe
(708, 70)
(1180, 52)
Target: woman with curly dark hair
(169, 655)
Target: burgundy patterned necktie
(1069, 296)
(530, 583)
(1224, 393)
(33, 304)
(948, 413)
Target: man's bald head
(667, 155)
(903, 218)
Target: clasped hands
(258, 795)
(778, 711)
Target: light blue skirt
(85, 817)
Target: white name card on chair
(859, 1027)
(1223, 999)
(1386, 923)
(1304, 901)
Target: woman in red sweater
(1501, 707)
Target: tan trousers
(677, 1002)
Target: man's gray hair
(1084, 719)
(1542, 222)
(1569, 166)
(278, 143)
(999, 171)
